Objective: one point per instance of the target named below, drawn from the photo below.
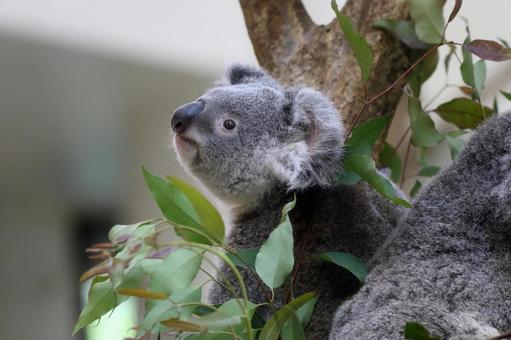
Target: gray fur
(287, 140)
(448, 265)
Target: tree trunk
(296, 51)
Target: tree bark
(296, 51)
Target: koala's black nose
(183, 117)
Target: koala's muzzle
(183, 117)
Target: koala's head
(249, 136)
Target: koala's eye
(229, 124)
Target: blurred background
(86, 90)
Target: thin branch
(390, 87)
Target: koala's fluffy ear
(243, 74)
(312, 155)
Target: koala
(448, 263)
(255, 144)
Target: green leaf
(293, 329)
(424, 132)
(495, 107)
(429, 19)
(404, 31)
(287, 209)
(175, 206)
(167, 309)
(353, 264)
(473, 75)
(361, 141)
(429, 171)
(455, 144)
(304, 313)
(275, 259)
(233, 308)
(272, 328)
(480, 74)
(389, 158)
(228, 318)
(506, 94)
(416, 187)
(357, 42)
(175, 272)
(464, 113)
(120, 231)
(244, 257)
(358, 163)
(210, 218)
(488, 50)
(101, 300)
(215, 321)
(422, 72)
(415, 331)
(365, 167)
(364, 136)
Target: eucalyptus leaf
(389, 158)
(488, 50)
(495, 107)
(175, 272)
(244, 257)
(424, 133)
(472, 75)
(415, 331)
(455, 10)
(287, 209)
(507, 95)
(175, 206)
(100, 301)
(352, 263)
(364, 136)
(365, 167)
(429, 171)
(415, 189)
(422, 72)
(102, 298)
(404, 30)
(210, 218)
(361, 142)
(167, 309)
(304, 313)
(293, 329)
(360, 47)
(463, 112)
(480, 74)
(216, 321)
(275, 260)
(455, 144)
(273, 326)
(428, 18)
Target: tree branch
(296, 51)
(275, 28)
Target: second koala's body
(448, 264)
(254, 144)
